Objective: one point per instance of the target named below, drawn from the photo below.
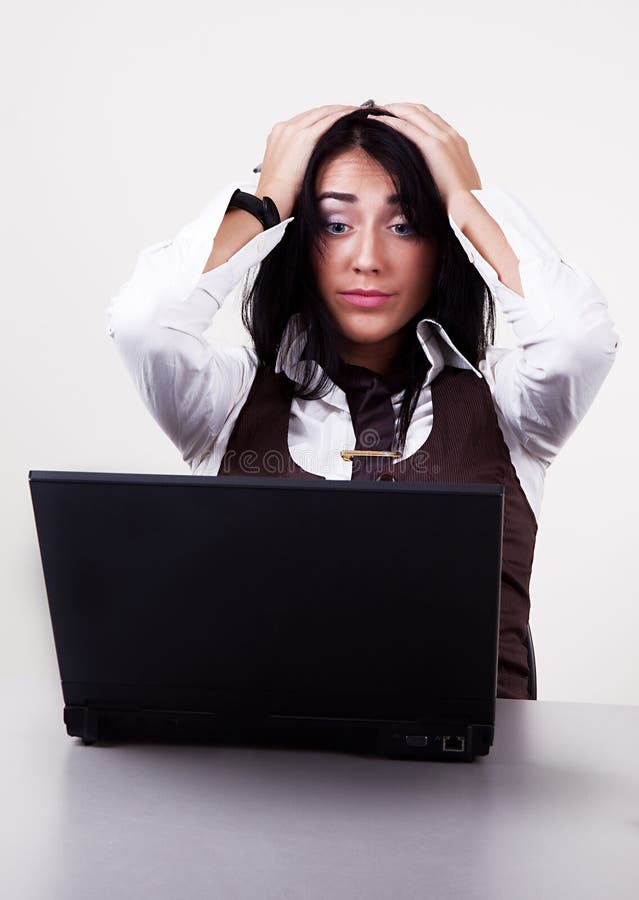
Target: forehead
(355, 174)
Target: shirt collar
(433, 338)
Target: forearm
(486, 235)
(238, 227)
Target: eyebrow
(393, 200)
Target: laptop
(352, 614)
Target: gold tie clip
(349, 454)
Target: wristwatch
(265, 209)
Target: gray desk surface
(552, 812)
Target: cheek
(420, 270)
(324, 268)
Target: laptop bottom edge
(396, 739)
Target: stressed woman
(377, 259)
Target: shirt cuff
(221, 280)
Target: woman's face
(369, 246)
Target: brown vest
(465, 445)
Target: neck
(383, 357)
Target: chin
(366, 335)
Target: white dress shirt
(541, 388)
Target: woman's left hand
(445, 151)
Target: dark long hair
(285, 283)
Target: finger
(322, 121)
(408, 106)
(412, 113)
(319, 112)
(411, 129)
(421, 108)
(425, 114)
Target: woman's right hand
(288, 150)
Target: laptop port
(453, 742)
(416, 740)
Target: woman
(400, 381)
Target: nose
(368, 251)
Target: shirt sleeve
(157, 321)
(566, 341)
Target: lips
(366, 293)
(360, 297)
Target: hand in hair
(288, 150)
(444, 149)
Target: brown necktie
(369, 399)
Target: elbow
(131, 317)
(130, 334)
(584, 353)
(138, 339)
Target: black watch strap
(263, 209)
(272, 215)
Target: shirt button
(385, 476)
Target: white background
(120, 120)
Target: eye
(333, 224)
(404, 225)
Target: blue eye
(403, 225)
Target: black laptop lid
(269, 594)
